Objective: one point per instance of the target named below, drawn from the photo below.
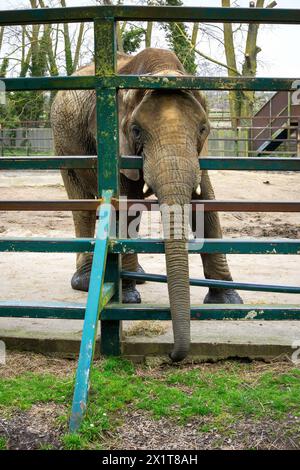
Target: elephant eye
(202, 128)
(136, 132)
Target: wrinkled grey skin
(170, 129)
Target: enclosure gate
(103, 296)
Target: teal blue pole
(93, 308)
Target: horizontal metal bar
(219, 206)
(146, 245)
(214, 283)
(230, 246)
(60, 310)
(230, 163)
(50, 83)
(47, 163)
(199, 83)
(150, 205)
(130, 162)
(250, 163)
(67, 205)
(203, 312)
(149, 82)
(262, 139)
(55, 310)
(47, 245)
(151, 13)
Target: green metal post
(108, 160)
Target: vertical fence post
(108, 160)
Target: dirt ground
(46, 277)
(41, 426)
(41, 277)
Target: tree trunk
(68, 50)
(148, 36)
(234, 96)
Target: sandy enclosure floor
(41, 277)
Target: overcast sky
(280, 55)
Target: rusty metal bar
(150, 204)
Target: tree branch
(205, 56)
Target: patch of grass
(3, 445)
(74, 442)
(223, 393)
(24, 391)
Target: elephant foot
(140, 270)
(130, 295)
(222, 296)
(81, 281)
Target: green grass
(225, 393)
(24, 391)
(2, 443)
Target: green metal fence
(103, 297)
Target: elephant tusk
(145, 188)
(198, 190)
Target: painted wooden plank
(94, 304)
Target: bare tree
(242, 102)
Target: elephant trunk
(179, 295)
(174, 195)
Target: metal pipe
(215, 283)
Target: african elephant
(169, 128)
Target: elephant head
(169, 128)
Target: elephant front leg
(215, 265)
(81, 278)
(84, 223)
(130, 294)
(84, 228)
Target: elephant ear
(131, 174)
(92, 121)
(128, 100)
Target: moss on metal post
(108, 160)
(105, 47)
